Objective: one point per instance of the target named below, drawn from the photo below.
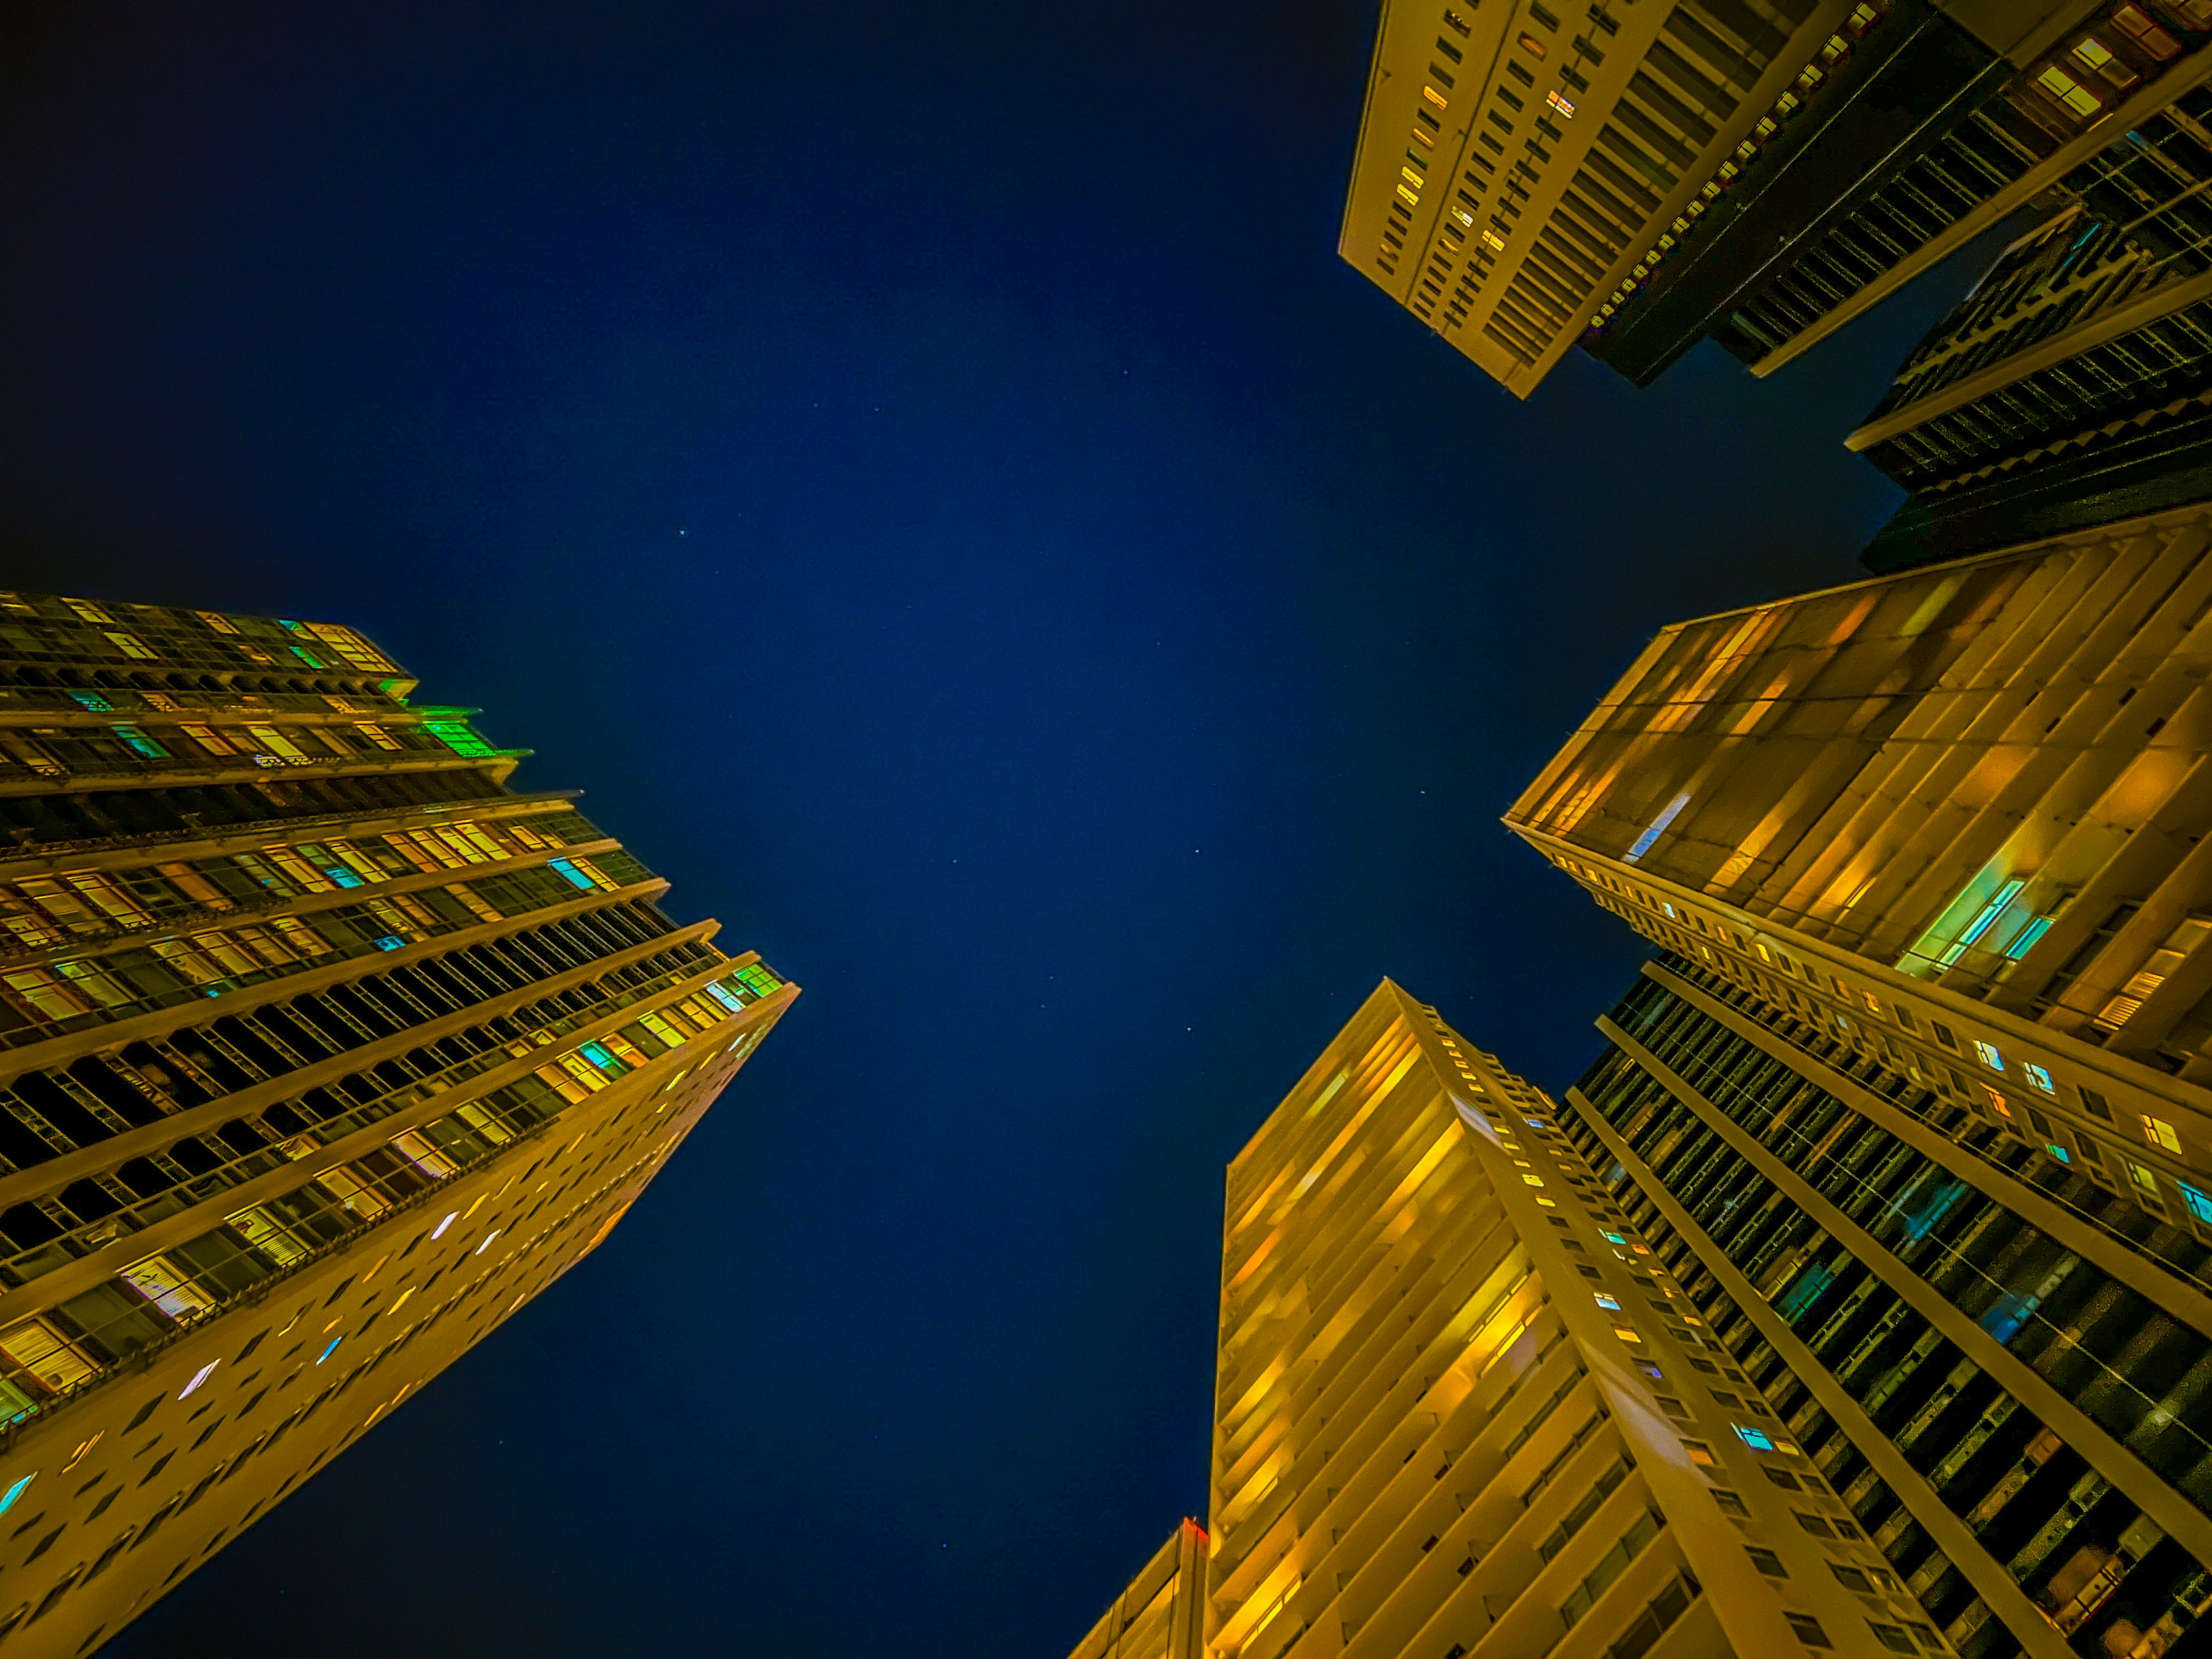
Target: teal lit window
(1754, 1438)
(1988, 1055)
(603, 1057)
(2040, 1077)
(2028, 936)
(94, 701)
(306, 656)
(328, 1351)
(2057, 1152)
(390, 942)
(1605, 1301)
(8, 1501)
(141, 744)
(576, 877)
(2198, 1206)
(1612, 1238)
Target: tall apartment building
(322, 1050)
(1463, 1412)
(1637, 178)
(2074, 385)
(1927, 857)
(1162, 1615)
(1999, 1362)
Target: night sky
(926, 475)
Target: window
(1454, 21)
(1766, 1561)
(1561, 104)
(1700, 1454)
(2040, 1077)
(1816, 1524)
(2096, 1105)
(1808, 1630)
(1532, 46)
(1757, 1439)
(2143, 1177)
(1542, 15)
(1851, 1578)
(1892, 1637)
(2198, 1206)
(2159, 1132)
(1731, 1503)
(1988, 1055)
(1943, 1035)
(1782, 1477)
(1604, 1300)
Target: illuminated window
(1532, 1180)
(2069, 91)
(2198, 1206)
(1605, 1301)
(1436, 97)
(1758, 1440)
(2159, 1132)
(1997, 1102)
(1561, 104)
(1626, 1334)
(7, 1500)
(200, 1376)
(2040, 1077)
(2143, 1177)
(1700, 1454)
(1988, 1055)
(130, 646)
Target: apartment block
(1162, 1615)
(1998, 1361)
(1463, 1409)
(322, 1051)
(1637, 178)
(2074, 385)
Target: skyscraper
(1162, 1615)
(1462, 1410)
(1756, 171)
(1919, 1081)
(325, 1052)
(2000, 1362)
(2074, 385)
(1950, 816)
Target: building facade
(1951, 815)
(2074, 385)
(1162, 1615)
(1463, 1410)
(1755, 171)
(2000, 1362)
(322, 1050)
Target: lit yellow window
(1409, 195)
(130, 646)
(217, 621)
(1436, 97)
(209, 739)
(43, 992)
(276, 744)
(301, 936)
(2069, 91)
(376, 734)
(2159, 1132)
(2143, 1177)
(477, 906)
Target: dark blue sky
(927, 476)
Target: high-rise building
(1999, 1362)
(2074, 385)
(1462, 1412)
(1757, 171)
(1162, 1615)
(1921, 1080)
(1953, 814)
(321, 1052)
